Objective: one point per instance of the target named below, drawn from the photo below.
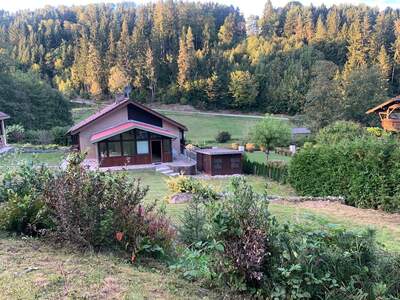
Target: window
(167, 146)
(142, 147)
(114, 149)
(129, 148)
(141, 135)
(217, 163)
(103, 149)
(128, 136)
(235, 163)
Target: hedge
(275, 170)
(365, 171)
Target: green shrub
(187, 184)
(275, 170)
(59, 135)
(223, 137)
(364, 171)
(339, 131)
(15, 133)
(192, 229)
(45, 137)
(23, 210)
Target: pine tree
(268, 21)
(320, 31)
(150, 72)
(356, 56)
(186, 58)
(332, 23)
(384, 63)
(396, 48)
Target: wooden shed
(219, 161)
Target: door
(156, 151)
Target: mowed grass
(261, 157)
(202, 129)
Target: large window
(128, 143)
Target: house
(389, 113)
(219, 161)
(128, 133)
(3, 136)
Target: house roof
(301, 130)
(384, 105)
(102, 135)
(3, 116)
(111, 107)
(218, 151)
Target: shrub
(363, 170)
(15, 133)
(186, 184)
(339, 131)
(275, 170)
(23, 210)
(89, 208)
(59, 135)
(192, 229)
(240, 222)
(223, 137)
(45, 137)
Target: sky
(248, 7)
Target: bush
(363, 170)
(23, 210)
(85, 208)
(223, 137)
(339, 131)
(89, 208)
(15, 133)
(275, 170)
(59, 135)
(45, 137)
(186, 184)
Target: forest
(326, 63)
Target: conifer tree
(320, 30)
(384, 63)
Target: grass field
(260, 156)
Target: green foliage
(192, 229)
(85, 208)
(339, 131)
(15, 133)
(187, 184)
(32, 103)
(275, 170)
(23, 210)
(361, 169)
(243, 88)
(271, 133)
(223, 137)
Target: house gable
(136, 113)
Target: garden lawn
(15, 159)
(31, 269)
(259, 156)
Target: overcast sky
(248, 7)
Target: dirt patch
(353, 214)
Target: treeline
(208, 55)
(30, 101)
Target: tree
(268, 21)
(186, 58)
(150, 72)
(243, 88)
(356, 57)
(384, 63)
(362, 89)
(320, 31)
(270, 133)
(117, 80)
(323, 100)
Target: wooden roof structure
(389, 113)
(4, 116)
